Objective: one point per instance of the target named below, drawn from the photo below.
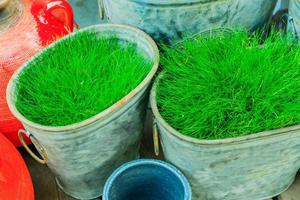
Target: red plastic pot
(15, 180)
(26, 26)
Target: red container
(15, 180)
(26, 26)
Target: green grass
(79, 78)
(230, 86)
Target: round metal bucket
(169, 20)
(147, 179)
(83, 155)
(257, 166)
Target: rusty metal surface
(83, 155)
(257, 166)
(171, 19)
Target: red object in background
(40, 23)
(53, 20)
(15, 180)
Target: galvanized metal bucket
(294, 12)
(169, 20)
(83, 155)
(257, 166)
(147, 179)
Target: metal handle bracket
(40, 149)
(155, 139)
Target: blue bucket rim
(135, 163)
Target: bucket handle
(155, 139)
(40, 149)
(101, 9)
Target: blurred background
(86, 12)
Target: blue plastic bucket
(146, 179)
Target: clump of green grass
(230, 85)
(79, 78)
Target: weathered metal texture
(83, 155)
(294, 11)
(171, 19)
(257, 166)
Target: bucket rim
(139, 162)
(170, 130)
(103, 114)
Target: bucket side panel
(294, 10)
(241, 171)
(172, 21)
(83, 159)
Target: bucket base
(74, 196)
(285, 189)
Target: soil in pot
(230, 85)
(80, 77)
